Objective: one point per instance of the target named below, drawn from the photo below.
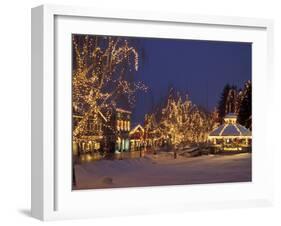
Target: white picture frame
(52, 198)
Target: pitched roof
(136, 128)
(216, 131)
(101, 114)
(228, 129)
(123, 110)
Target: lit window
(121, 125)
(127, 145)
(118, 144)
(123, 145)
(118, 125)
(127, 126)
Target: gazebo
(230, 136)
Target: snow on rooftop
(230, 128)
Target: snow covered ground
(163, 169)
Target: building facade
(116, 134)
(137, 136)
(92, 138)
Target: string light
(99, 79)
(179, 122)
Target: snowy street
(163, 169)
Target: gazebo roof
(231, 129)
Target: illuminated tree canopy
(179, 121)
(102, 75)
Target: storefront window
(127, 145)
(121, 125)
(118, 125)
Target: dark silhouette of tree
(230, 106)
(223, 101)
(229, 101)
(245, 111)
(236, 101)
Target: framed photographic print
(135, 112)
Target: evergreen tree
(230, 106)
(245, 111)
(223, 101)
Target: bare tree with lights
(179, 122)
(103, 74)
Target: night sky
(199, 68)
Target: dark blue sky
(199, 68)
